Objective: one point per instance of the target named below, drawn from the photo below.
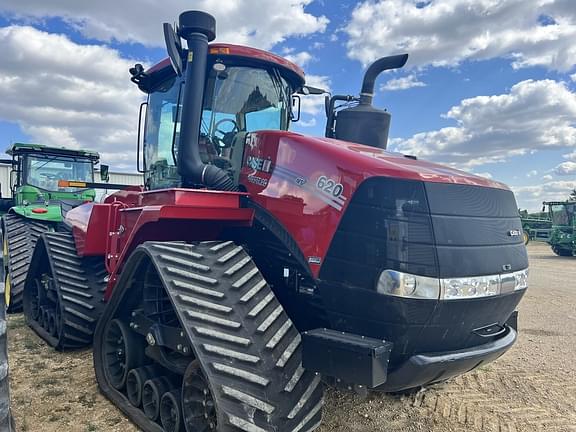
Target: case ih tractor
(562, 237)
(37, 204)
(258, 263)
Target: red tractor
(259, 263)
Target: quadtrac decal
(257, 180)
(324, 188)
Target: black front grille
(387, 225)
(429, 229)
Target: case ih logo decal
(259, 164)
(514, 233)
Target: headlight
(400, 284)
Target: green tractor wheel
(561, 251)
(526, 237)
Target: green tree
(572, 196)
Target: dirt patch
(531, 389)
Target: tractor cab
(246, 90)
(35, 176)
(563, 234)
(39, 167)
(562, 213)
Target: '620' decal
(329, 186)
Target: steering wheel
(226, 138)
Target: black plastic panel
(468, 200)
(429, 229)
(387, 225)
(352, 358)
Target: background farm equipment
(38, 204)
(562, 237)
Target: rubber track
(5, 417)
(247, 346)
(21, 234)
(80, 284)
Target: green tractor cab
(563, 235)
(39, 201)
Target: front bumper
(430, 368)
(355, 359)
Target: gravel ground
(531, 389)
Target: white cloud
(570, 156)
(532, 173)
(447, 32)
(403, 83)
(547, 177)
(531, 197)
(566, 169)
(301, 58)
(573, 77)
(64, 94)
(246, 22)
(534, 115)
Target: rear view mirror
(174, 48)
(295, 109)
(309, 90)
(104, 173)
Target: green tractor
(563, 234)
(41, 194)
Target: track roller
(135, 381)
(152, 394)
(19, 237)
(171, 412)
(215, 328)
(63, 292)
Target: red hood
(377, 162)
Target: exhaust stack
(363, 123)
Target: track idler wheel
(122, 352)
(135, 382)
(152, 394)
(171, 412)
(198, 407)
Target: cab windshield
(562, 214)
(237, 99)
(45, 171)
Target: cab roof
(163, 70)
(26, 148)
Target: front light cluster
(400, 284)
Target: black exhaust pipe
(363, 123)
(375, 69)
(198, 29)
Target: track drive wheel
(63, 292)
(214, 328)
(19, 238)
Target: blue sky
(490, 86)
